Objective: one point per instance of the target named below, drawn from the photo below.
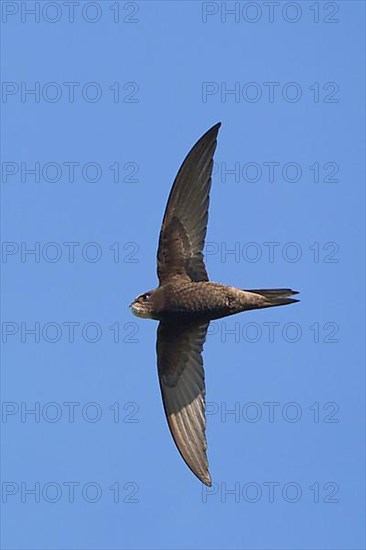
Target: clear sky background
(148, 79)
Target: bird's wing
(182, 383)
(183, 230)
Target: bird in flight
(186, 301)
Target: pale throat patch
(140, 312)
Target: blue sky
(121, 91)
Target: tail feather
(277, 296)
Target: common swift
(186, 301)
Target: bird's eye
(145, 297)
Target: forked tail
(276, 297)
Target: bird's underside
(186, 301)
(207, 301)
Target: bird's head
(142, 306)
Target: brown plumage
(186, 301)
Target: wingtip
(206, 479)
(214, 129)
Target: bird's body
(186, 301)
(207, 301)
